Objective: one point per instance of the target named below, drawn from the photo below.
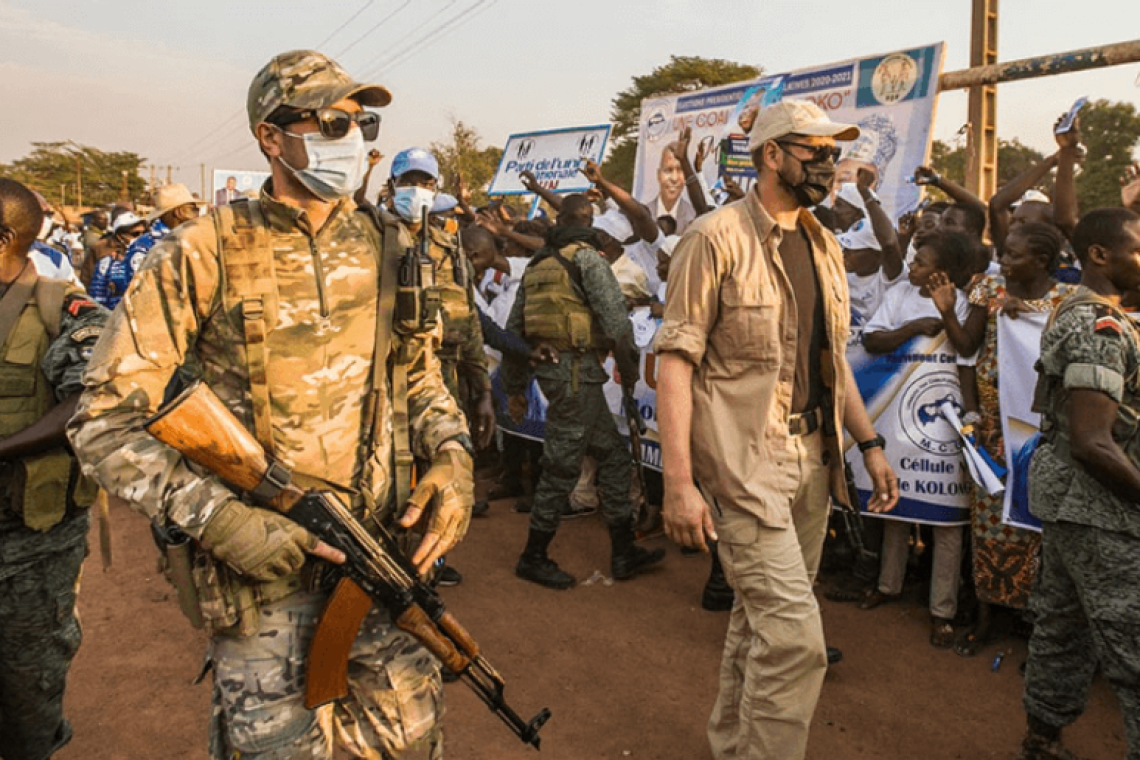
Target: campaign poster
(891, 97)
(234, 184)
(555, 158)
(904, 392)
(1018, 348)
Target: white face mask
(336, 167)
(410, 202)
(45, 227)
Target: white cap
(796, 117)
(125, 220)
(849, 191)
(859, 237)
(615, 223)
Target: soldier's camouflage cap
(307, 79)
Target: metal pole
(202, 176)
(78, 181)
(1042, 66)
(981, 147)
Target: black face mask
(818, 179)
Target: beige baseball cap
(307, 79)
(170, 197)
(796, 117)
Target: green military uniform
(582, 326)
(1087, 598)
(288, 345)
(461, 352)
(43, 518)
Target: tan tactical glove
(450, 479)
(256, 542)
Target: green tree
(1110, 132)
(681, 74)
(464, 156)
(54, 169)
(1014, 157)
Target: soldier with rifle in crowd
(288, 309)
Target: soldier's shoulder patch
(86, 333)
(78, 305)
(1105, 321)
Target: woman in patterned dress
(1005, 558)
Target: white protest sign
(554, 157)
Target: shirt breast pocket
(749, 327)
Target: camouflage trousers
(1087, 604)
(392, 712)
(577, 424)
(39, 636)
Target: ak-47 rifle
(376, 571)
(648, 516)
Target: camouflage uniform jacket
(1089, 347)
(605, 299)
(462, 333)
(320, 353)
(61, 365)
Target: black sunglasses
(333, 122)
(818, 152)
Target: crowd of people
(730, 292)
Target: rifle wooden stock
(200, 427)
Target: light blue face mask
(336, 167)
(410, 202)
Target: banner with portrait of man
(891, 97)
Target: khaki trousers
(774, 655)
(945, 575)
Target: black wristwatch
(878, 442)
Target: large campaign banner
(1018, 348)
(555, 157)
(891, 97)
(904, 392)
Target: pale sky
(168, 79)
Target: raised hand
(528, 181)
(1130, 187)
(592, 171)
(942, 292)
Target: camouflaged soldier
(571, 301)
(285, 307)
(415, 179)
(1084, 485)
(47, 331)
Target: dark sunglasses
(333, 122)
(818, 152)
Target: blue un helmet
(415, 159)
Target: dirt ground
(629, 670)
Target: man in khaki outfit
(753, 387)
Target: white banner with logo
(1018, 348)
(555, 158)
(904, 392)
(891, 97)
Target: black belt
(804, 423)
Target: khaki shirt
(730, 311)
(319, 368)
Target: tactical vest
(555, 308)
(51, 482)
(250, 299)
(1050, 397)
